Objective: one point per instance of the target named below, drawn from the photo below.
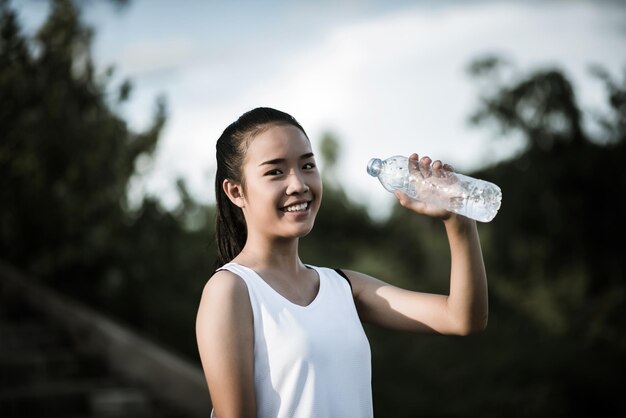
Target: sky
(384, 77)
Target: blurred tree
(555, 249)
(65, 157)
(568, 188)
(330, 149)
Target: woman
(278, 338)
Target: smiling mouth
(299, 207)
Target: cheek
(318, 188)
(262, 195)
(316, 185)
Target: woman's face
(283, 188)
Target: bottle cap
(374, 167)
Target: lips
(296, 207)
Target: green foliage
(66, 158)
(331, 151)
(558, 235)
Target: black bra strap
(342, 274)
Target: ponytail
(230, 225)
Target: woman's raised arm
(463, 311)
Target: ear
(234, 191)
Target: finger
(414, 163)
(448, 167)
(437, 168)
(424, 166)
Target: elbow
(472, 327)
(478, 327)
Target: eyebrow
(282, 160)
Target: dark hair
(230, 226)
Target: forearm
(468, 302)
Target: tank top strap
(238, 269)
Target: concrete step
(35, 365)
(45, 373)
(59, 358)
(86, 398)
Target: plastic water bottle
(467, 196)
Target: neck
(277, 254)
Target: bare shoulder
(225, 283)
(224, 292)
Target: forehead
(278, 141)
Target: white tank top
(310, 361)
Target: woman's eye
(309, 166)
(274, 172)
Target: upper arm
(392, 307)
(225, 336)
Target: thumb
(403, 198)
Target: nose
(296, 184)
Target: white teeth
(295, 208)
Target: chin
(300, 232)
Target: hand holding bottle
(436, 185)
(436, 171)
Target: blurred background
(109, 113)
